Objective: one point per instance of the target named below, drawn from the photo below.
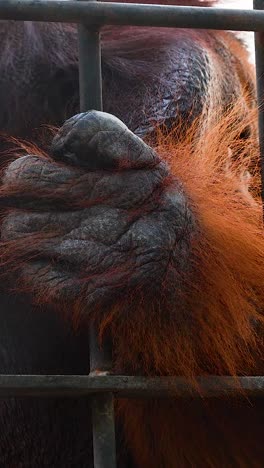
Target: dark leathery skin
(122, 225)
(105, 142)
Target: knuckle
(11, 227)
(79, 134)
(18, 168)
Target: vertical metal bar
(100, 357)
(90, 82)
(102, 406)
(259, 53)
(90, 74)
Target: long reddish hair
(223, 331)
(213, 325)
(219, 329)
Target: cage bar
(99, 385)
(73, 386)
(90, 77)
(259, 54)
(102, 405)
(97, 14)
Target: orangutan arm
(106, 228)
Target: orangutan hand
(102, 217)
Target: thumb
(97, 140)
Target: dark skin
(110, 237)
(103, 223)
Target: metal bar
(90, 84)
(259, 53)
(104, 446)
(90, 79)
(100, 357)
(128, 386)
(100, 13)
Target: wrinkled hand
(101, 218)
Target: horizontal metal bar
(127, 386)
(100, 13)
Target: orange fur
(212, 327)
(214, 322)
(225, 299)
(215, 325)
(215, 330)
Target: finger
(71, 236)
(56, 281)
(48, 283)
(38, 170)
(30, 178)
(38, 184)
(54, 284)
(18, 224)
(97, 140)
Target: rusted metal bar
(259, 53)
(100, 13)
(128, 386)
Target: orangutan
(143, 219)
